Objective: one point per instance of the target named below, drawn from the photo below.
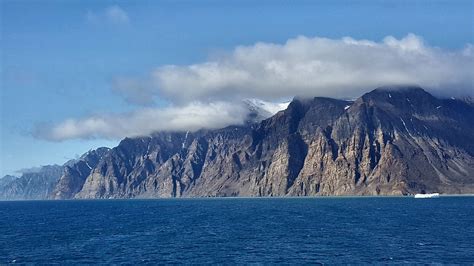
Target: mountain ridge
(389, 141)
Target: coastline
(232, 198)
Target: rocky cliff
(75, 173)
(37, 184)
(51, 181)
(390, 141)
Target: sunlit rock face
(75, 173)
(390, 141)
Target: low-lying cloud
(204, 94)
(192, 116)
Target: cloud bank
(192, 116)
(313, 67)
(204, 94)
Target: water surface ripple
(232, 230)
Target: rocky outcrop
(390, 141)
(75, 173)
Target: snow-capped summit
(260, 109)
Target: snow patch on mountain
(265, 109)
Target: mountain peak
(398, 91)
(99, 151)
(399, 88)
(260, 110)
(409, 96)
(392, 140)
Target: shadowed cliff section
(390, 141)
(397, 140)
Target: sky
(77, 75)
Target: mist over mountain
(394, 140)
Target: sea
(322, 230)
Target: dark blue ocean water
(261, 231)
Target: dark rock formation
(390, 141)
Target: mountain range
(390, 141)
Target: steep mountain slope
(389, 141)
(393, 142)
(75, 173)
(4, 181)
(51, 181)
(31, 185)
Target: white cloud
(112, 14)
(314, 67)
(207, 94)
(192, 116)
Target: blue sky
(59, 59)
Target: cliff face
(392, 142)
(75, 173)
(32, 185)
(389, 141)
